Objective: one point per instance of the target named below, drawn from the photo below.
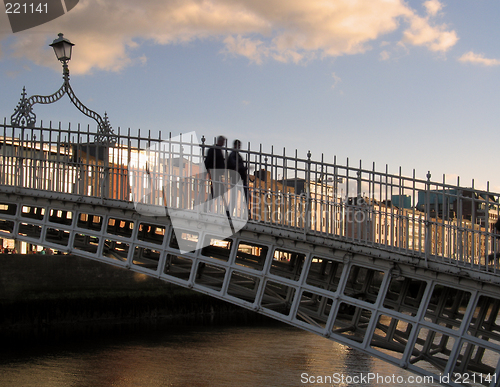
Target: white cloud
(433, 7)
(471, 57)
(336, 80)
(143, 60)
(108, 33)
(385, 55)
(435, 38)
(246, 47)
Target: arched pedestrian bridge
(400, 268)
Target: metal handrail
(423, 218)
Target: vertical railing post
(203, 182)
(78, 163)
(486, 228)
(307, 214)
(458, 227)
(20, 167)
(428, 228)
(182, 181)
(20, 159)
(358, 223)
(358, 184)
(105, 177)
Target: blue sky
(411, 84)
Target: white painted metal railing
(435, 221)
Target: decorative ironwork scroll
(24, 115)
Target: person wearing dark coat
(215, 157)
(235, 162)
(216, 166)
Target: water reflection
(271, 355)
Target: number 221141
(25, 8)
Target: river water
(220, 355)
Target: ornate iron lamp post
(24, 116)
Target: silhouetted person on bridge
(496, 241)
(216, 166)
(235, 162)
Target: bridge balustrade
(427, 219)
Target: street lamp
(24, 116)
(62, 48)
